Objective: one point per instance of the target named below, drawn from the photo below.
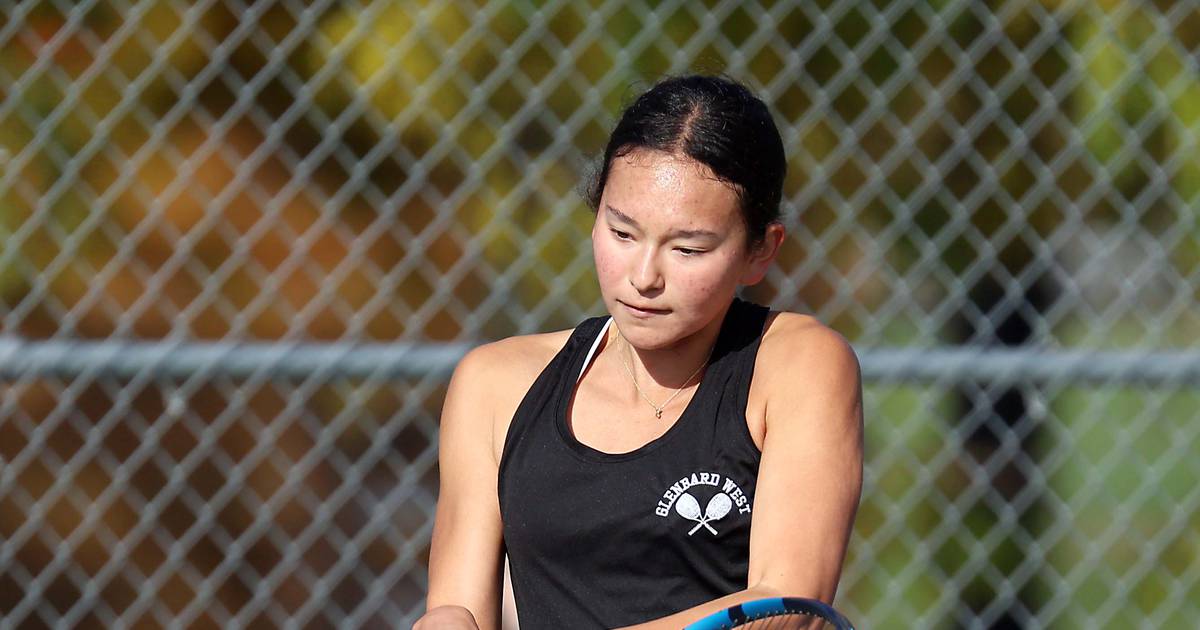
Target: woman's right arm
(465, 559)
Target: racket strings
(785, 621)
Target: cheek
(606, 263)
(709, 282)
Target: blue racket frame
(770, 607)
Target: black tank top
(599, 540)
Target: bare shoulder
(490, 381)
(793, 342)
(802, 358)
(513, 359)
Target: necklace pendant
(658, 413)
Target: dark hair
(716, 122)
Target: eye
(624, 236)
(688, 251)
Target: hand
(447, 618)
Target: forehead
(652, 185)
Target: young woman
(685, 453)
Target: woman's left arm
(810, 476)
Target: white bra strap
(592, 351)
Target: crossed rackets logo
(688, 507)
(727, 498)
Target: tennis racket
(776, 613)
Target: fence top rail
(188, 359)
(24, 358)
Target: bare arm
(810, 477)
(465, 559)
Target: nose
(646, 276)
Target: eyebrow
(673, 233)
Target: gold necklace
(658, 409)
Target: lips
(644, 311)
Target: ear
(763, 255)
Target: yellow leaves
(397, 58)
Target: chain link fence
(243, 243)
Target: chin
(653, 334)
(643, 339)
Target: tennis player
(686, 452)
